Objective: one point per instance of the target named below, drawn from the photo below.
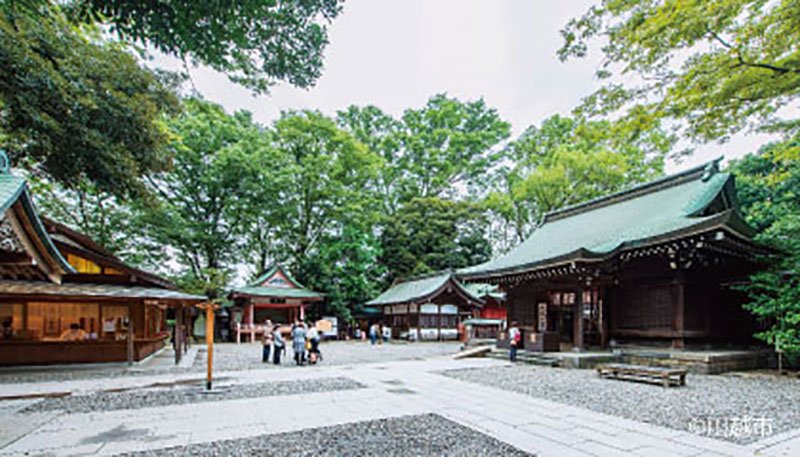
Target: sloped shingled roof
(256, 289)
(14, 188)
(421, 289)
(657, 211)
(86, 290)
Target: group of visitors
(379, 331)
(305, 343)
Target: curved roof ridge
(633, 192)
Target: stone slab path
(391, 389)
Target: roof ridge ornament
(711, 169)
(5, 164)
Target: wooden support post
(605, 295)
(178, 334)
(209, 343)
(678, 311)
(130, 337)
(440, 322)
(577, 322)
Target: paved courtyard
(361, 407)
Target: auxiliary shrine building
(427, 307)
(652, 265)
(66, 299)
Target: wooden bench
(655, 375)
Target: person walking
(313, 339)
(278, 344)
(299, 343)
(514, 339)
(387, 333)
(266, 341)
(373, 333)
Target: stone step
(531, 358)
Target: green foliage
(77, 107)
(381, 134)
(110, 221)
(567, 161)
(447, 143)
(207, 196)
(345, 268)
(211, 282)
(714, 66)
(255, 43)
(439, 150)
(329, 176)
(773, 207)
(432, 234)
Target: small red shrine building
(274, 295)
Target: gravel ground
(182, 394)
(704, 399)
(422, 435)
(235, 357)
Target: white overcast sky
(395, 54)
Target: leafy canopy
(773, 208)
(77, 107)
(207, 196)
(715, 67)
(567, 161)
(432, 234)
(254, 42)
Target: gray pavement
(392, 389)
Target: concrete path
(392, 389)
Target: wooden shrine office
(427, 307)
(651, 265)
(66, 299)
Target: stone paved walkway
(392, 389)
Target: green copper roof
(10, 189)
(257, 288)
(697, 200)
(422, 289)
(276, 292)
(13, 188)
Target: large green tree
(381, 134)
(772, 206)
(432, 234)
(345, 268)
(221, 160)
(444, 149)
(715, 67)
(446, 144)
(566, 161)
(76, 106)
(329, 176)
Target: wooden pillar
(439, 307)
(678, 326)
(302, 312)
(178, 334)
(604, 295)
(209, 343)
(130, 336)
(577, 321)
